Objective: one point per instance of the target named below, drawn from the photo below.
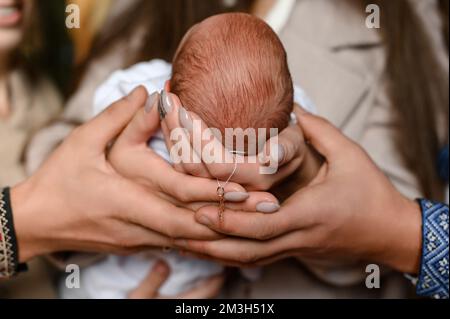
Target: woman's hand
(149, 288)
(284, 153)
(78, 202)
(351, 210)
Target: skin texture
(349, 199)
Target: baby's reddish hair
(232, 71)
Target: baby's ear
(167, 86)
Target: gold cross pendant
(221, 195)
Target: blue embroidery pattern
(433, 279)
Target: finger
(242, 251)
(154, 171)
(149, 287)
(188, 189)
(160, 215)
(100, 131)
(141, 239)
(260, 202)
(209, 289)
(288, 145)
(229, 263)
(325, 138)
(243, 224)
(144, 124)
(197, 131)
(189, 161)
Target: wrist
(26, 212)
(403, 248)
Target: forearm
(12, 260)
(402, 239)
(418, 244)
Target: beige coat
(339, 63)
(33, 106)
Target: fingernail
(167, 102)
(205, 221)
(236, 196)
(267, 207)
(151, 101)
(293, 120)
(185, 119)
(278, 155)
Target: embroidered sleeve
(433, 278)
(7, 261)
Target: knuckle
(173, 231)
(195, 170)
(249, 257)
(183, 197)
(220, 171)
(181, 194)
(178, 168)
(227, 227)
(267, 233)
(264, 184)
(201, 248)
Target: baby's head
(232, 71)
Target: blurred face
(14, 14)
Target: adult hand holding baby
(132, 158)
(287, 154)
(239, 169)
(340, 214)
(77, 201)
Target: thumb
(144, 124)
(107, 125)
(323, 136)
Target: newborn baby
(232, 71)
